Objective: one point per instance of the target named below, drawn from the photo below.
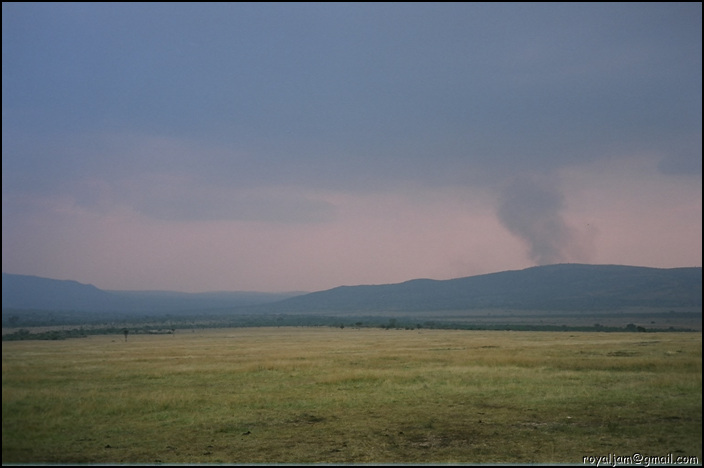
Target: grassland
(331, 395)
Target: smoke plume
(531, 208)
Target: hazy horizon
(317, 290)
(302, 146)
(299, 292)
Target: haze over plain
(303, 146)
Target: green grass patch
(330, 395)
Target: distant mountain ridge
(565, 287)
(34, 292)
(551, 287)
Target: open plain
(352, 395)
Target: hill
(563, 287)
(33, 292)
(37, 293)
(553, 295)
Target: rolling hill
(564, 287)
(33, 292)
(552, 287)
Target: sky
(302, 146)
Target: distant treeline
(395, 323)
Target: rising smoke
(531, 208)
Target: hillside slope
(562, 287)
(32, 292)
(553, 287)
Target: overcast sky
(303, 146)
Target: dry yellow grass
(314, 395)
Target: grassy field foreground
(306, 395)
